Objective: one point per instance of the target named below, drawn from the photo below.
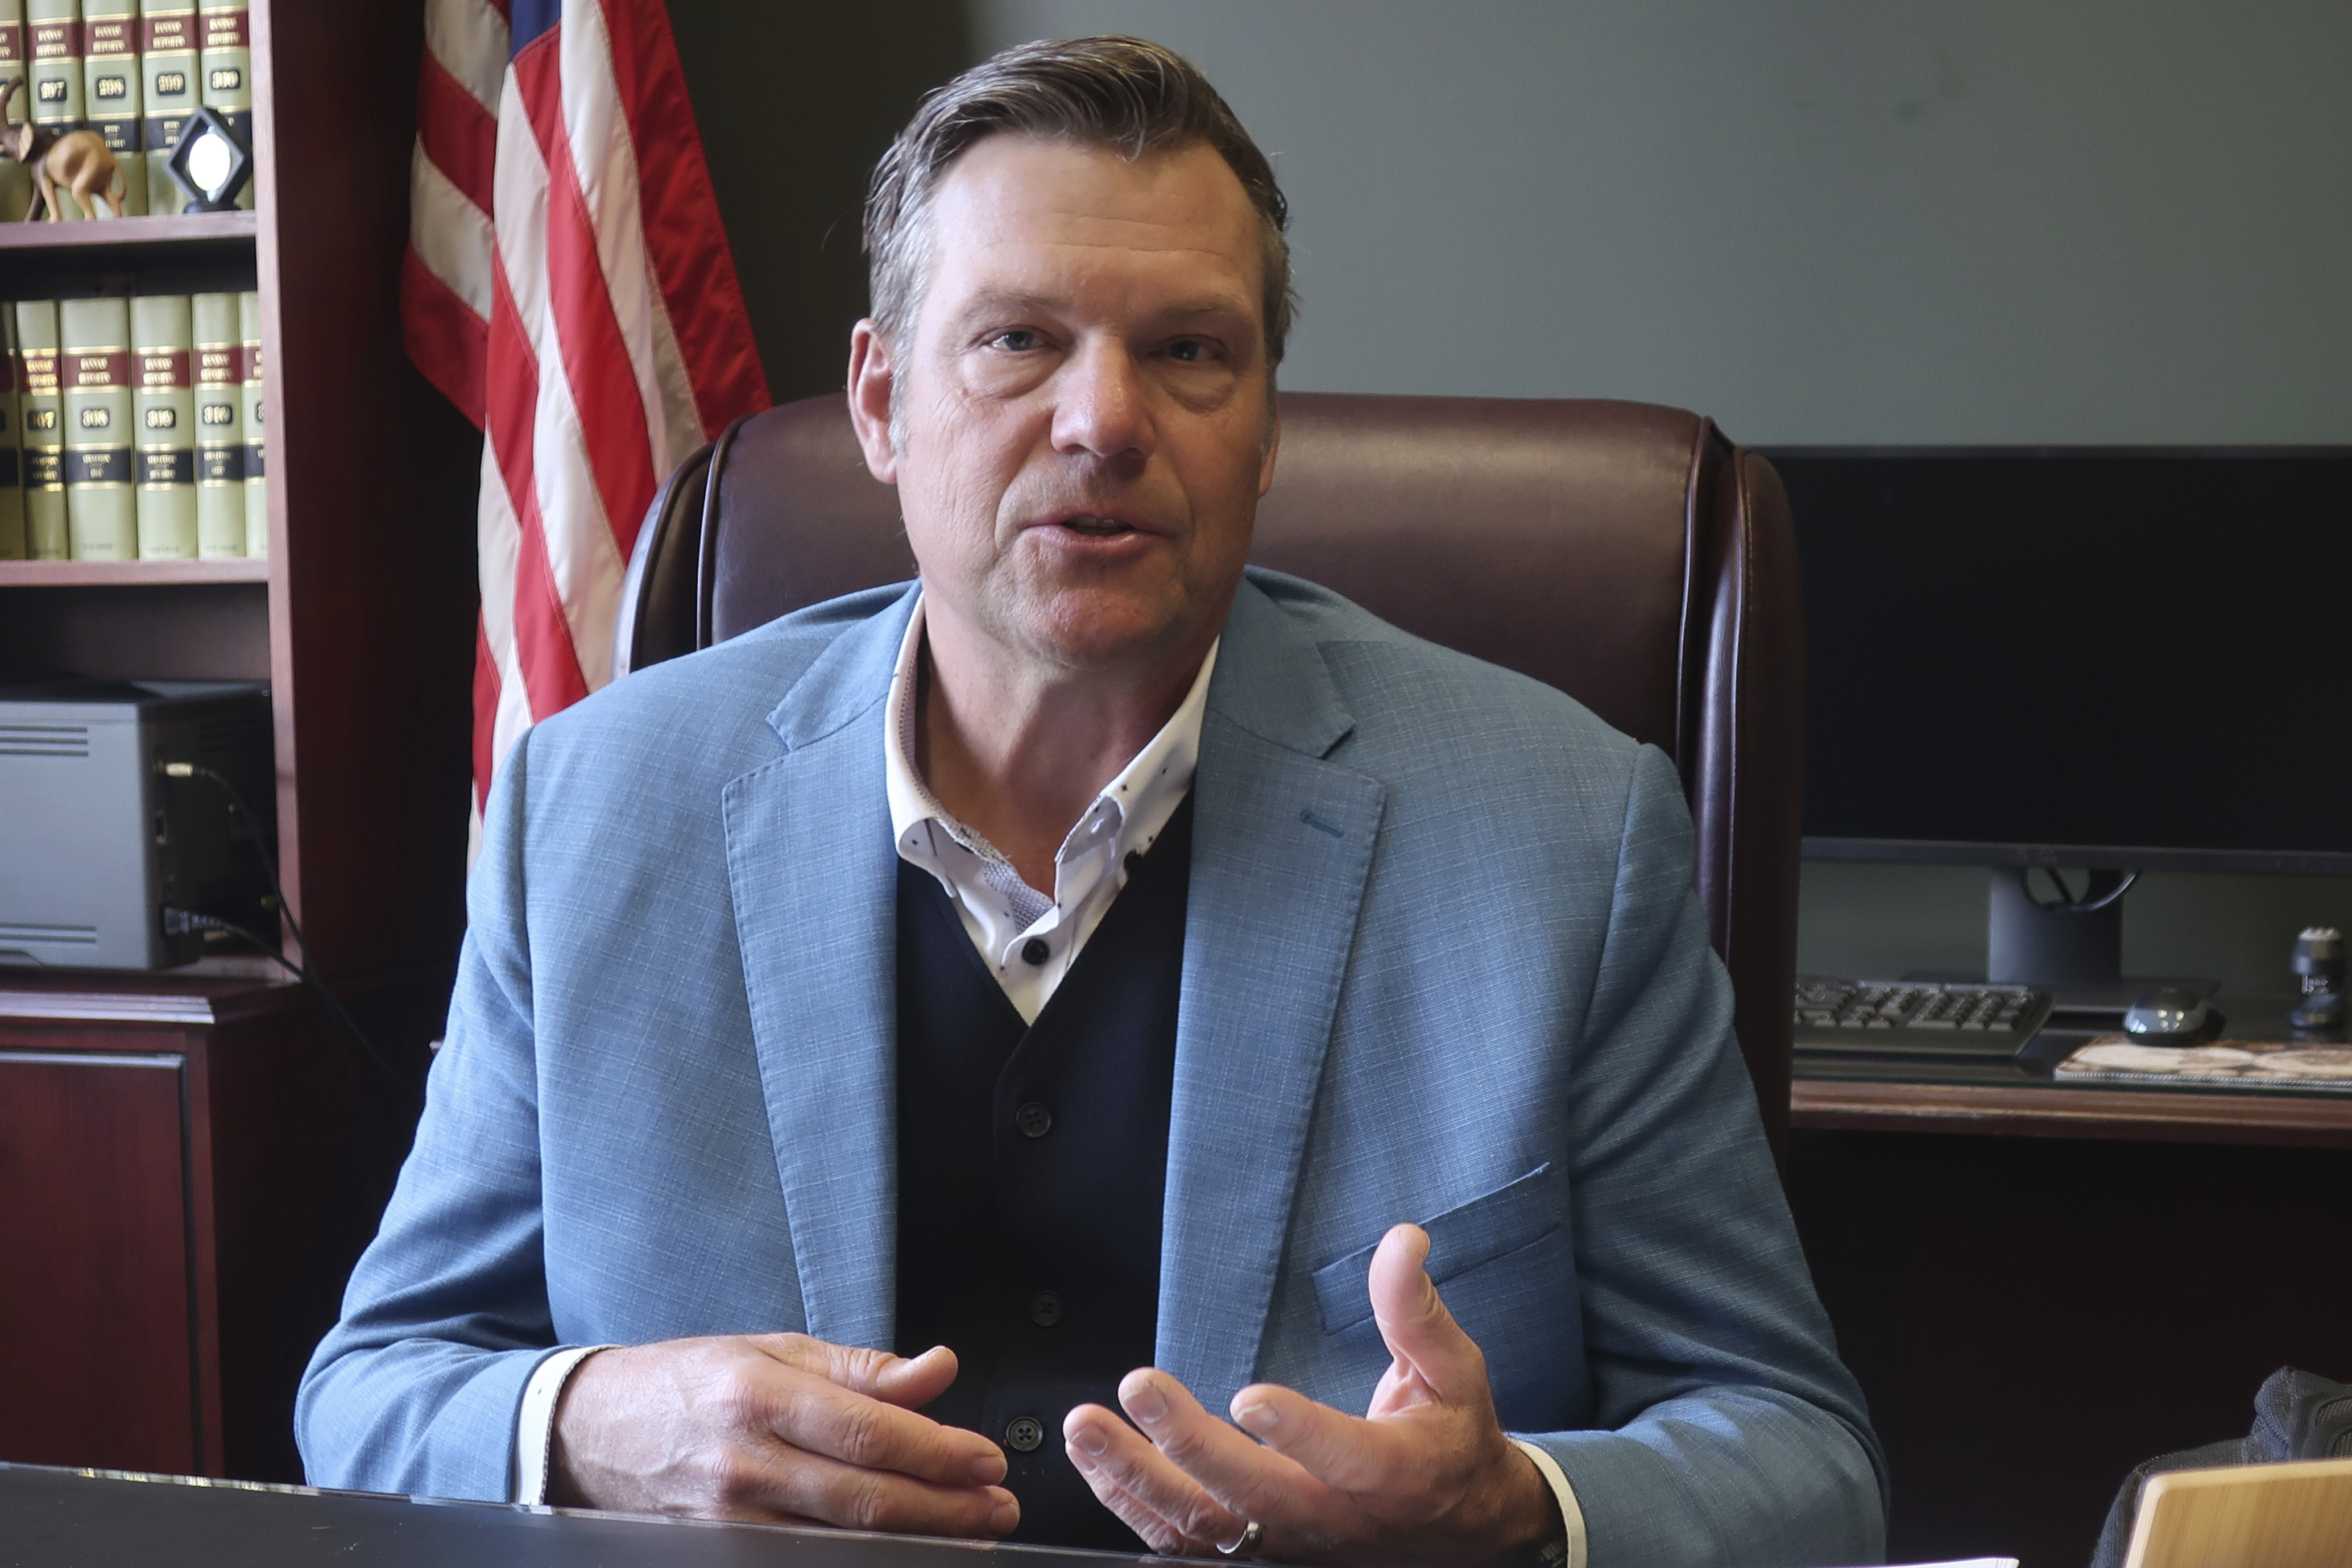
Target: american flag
(568, 287)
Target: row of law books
(131, 70)
(132, 429)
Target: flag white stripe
(606, 159)
(451, 235)
(500, 544)
(471, 40)
(582, 559)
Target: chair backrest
(1627, 554)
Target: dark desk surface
(2022, 1098)
(80, 1519)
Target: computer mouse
(2169, 1016)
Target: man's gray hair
(1126, 94)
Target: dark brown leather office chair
(1627, 554)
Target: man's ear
(872, 384)
(1266, 464)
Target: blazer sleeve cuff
(535, 1420)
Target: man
(1106, 978)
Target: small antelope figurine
(79, 161)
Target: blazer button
(1024, 1434)
(1045, 1309)
(1034, 1120)
(1037, 952)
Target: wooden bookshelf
(127, 573)
(214, 230)
(361, 619)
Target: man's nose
(1102, 408)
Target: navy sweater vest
(1033, 1160)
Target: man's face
(1084, 411)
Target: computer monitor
(2115, 660)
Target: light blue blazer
(1442, 964)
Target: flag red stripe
(485, 711)
(550, 664)
(449, 343)
(604, 388)
(685, 236)
(456, 132)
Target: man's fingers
(1246, 1477)
(808, 1487)
(820, 1417)
(1340, 1450)
(910, 1382)
(1158, 1502)
(1413, 1321)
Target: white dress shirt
(1027, 938)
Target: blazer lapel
(814, 875)
(1282, 846)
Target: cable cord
(2068, 901)
(189, 919)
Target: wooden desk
(2039, 1285)
(174, 1170)
(60, 1519)
(2005, 1100)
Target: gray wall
(1847, 221)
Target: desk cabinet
(171, 1220)
(2041, 1285)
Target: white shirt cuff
(535, 1425)
(1562, 1493)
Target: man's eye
(1019, 340)
(1188, 351)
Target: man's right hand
(775, 1427)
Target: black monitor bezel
(2071, 857)
(2079, 857)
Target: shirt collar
(1144, 794)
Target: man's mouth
(1095, 527)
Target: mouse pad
(2228, 1063)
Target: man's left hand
(1425, 1475)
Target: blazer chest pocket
(1518, 1214)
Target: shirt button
(1036, 951)
(1045, 1309)
(1023, 1434)
(1034, 1120)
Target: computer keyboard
(1916, 1017)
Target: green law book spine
(169, 91)
(15, 180)
(227, 66)
(43, 428)
(220, 438)
(257, 483)
(164, 348)
(94, 363)
(54, 32)
(109, 48)
(13, 542)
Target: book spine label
(220, 436)
(257, 484)
(110, 91)
(227, 67)
(41, 428)
(94, 363)
(13, 544)
(169, 93)
(164, 402)
(57, 84)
